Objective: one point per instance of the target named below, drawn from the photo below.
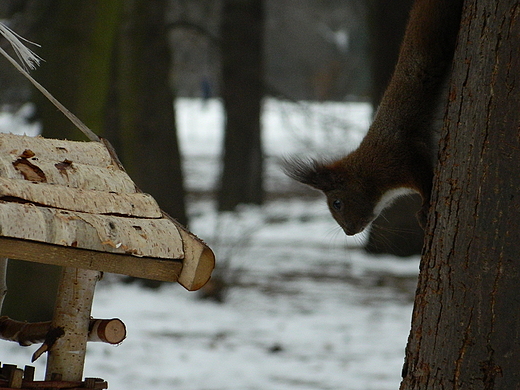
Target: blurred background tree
(241, 44)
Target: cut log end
(111, 331)
(196, 273)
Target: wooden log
(67, 173)
(199, 263)
(158, 238)
(15, 379)
(89, 383)
(77, 195)
(167, 250)
(72, 314)
(28, 373)
(111, 331)
(166, 270)
(87, 201)
(92, 153)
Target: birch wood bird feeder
(72, 204)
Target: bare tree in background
(242, 91)
(141, 117)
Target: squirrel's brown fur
(396, 155)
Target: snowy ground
(309, 309)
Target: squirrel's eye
(337, 204)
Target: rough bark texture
(465, 330)
(242, 79)
(111, 331)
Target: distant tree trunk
(141, 118)
(242, 79)
(109, 63)
(77, 40)
(465, 330)
(396, 230)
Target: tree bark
(465, 321)
(242, 92)
(142, 116)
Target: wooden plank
(88, 201)
(102, 235)
(90, 153)
(166, 270)
(158, 238)
(67, 173)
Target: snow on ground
(309, 309)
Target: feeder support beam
(72, 315)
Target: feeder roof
(70, 203)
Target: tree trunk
(31, 290)
(3, 280)
(77, 40)
(397, 231)
(142, 116)
(242, 80)
(465, 322)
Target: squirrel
(396, 156)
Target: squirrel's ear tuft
(314, 173)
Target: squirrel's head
(352, 197)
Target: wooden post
(3, 280)
(72, 314)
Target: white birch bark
(72, 313)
